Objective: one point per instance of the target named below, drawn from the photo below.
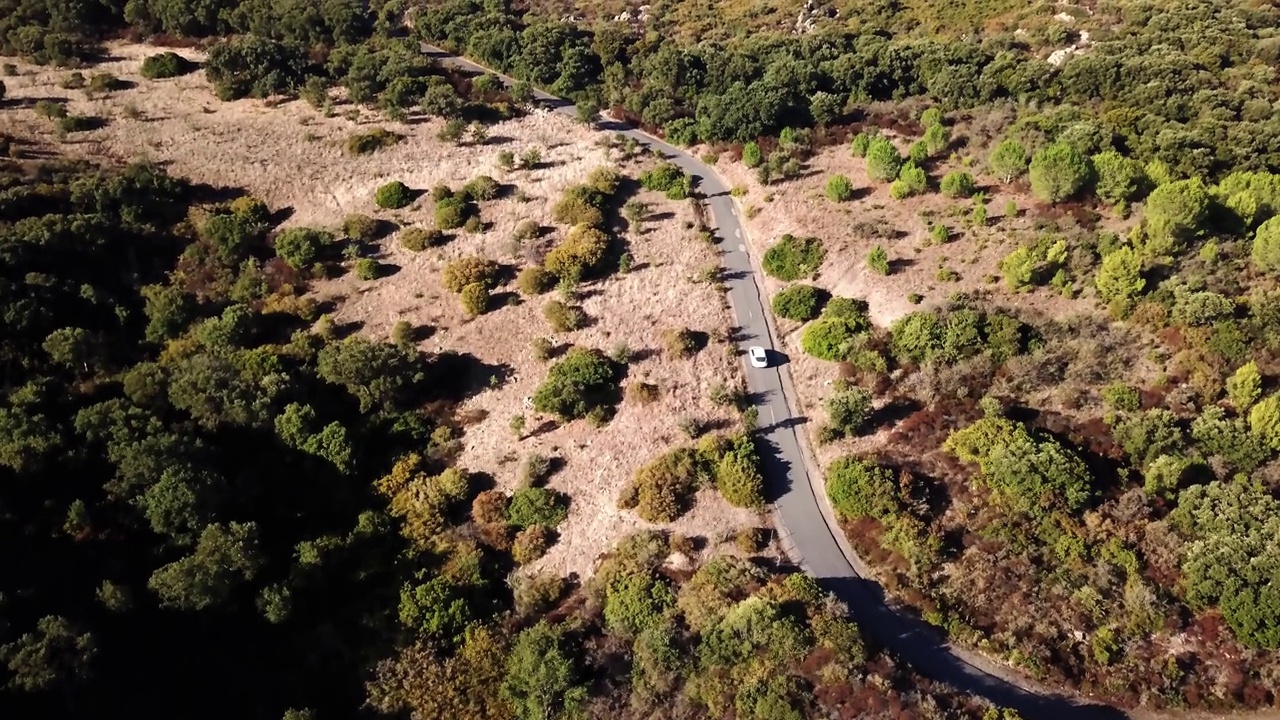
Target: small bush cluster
(576, 385)
(581, 252)
(165, 65)
(451, 212)
(420, 238)
(663, 490)
(300, 247)
(839, 333)
(360, 228)
(393, 196)
(679, 342)
(668, 178)
(839, 188)
(801, 303)
(535, 280)
(371, 141)
(859, 489)
(563, 317)
(947, 337)
(481, 187)
(472, 270)
(531, 506)
(793, 258)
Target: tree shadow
(899, 264)
(504, 299)
(895, 411)
(543, 428)
(463, 374)
(279, 215)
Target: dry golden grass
(291, 156)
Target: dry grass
(291, 156)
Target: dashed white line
(772, 419)
(737, 232)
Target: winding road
(807, 525)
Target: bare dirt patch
(291, 156)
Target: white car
(759, 358)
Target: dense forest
(189, 455)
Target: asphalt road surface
(807, 524)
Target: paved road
(807, 523)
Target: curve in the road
(809, 527)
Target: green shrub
(859, 489)
(562, 317)
(1175, 213)
(450, 213)
(839, 188)
(470, 270)
(530, 506)
(799, 302)
(300, 247)
(860, 143)
(1265, 251)
(165, 65)
(51, 109)
(663, 489)
(848, 409)
(1117, 178)
(576, 385)
(957, 184)
(531, 543)
(912, 179)
(393, 196)
(578, 254)
(1008, 161)
(918, 152)
(78, 123)
(664, 178)
(792, 258)
(1244, 387)
(368, 269)
(738, 475)
(474, 225)
(883, 160)
(580, 205)
(1119, 396)
(1058, 172)
(371, 141)
(105, 83)
(679, 342)
(1028, 472)
(636, 603)
(534, 280)
(751, 155)
(481, 187)
(936, 139)
(832, 338)
(360, 228)
(475, 299)
(420, 238)
(1120, 276)
(878, 260)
